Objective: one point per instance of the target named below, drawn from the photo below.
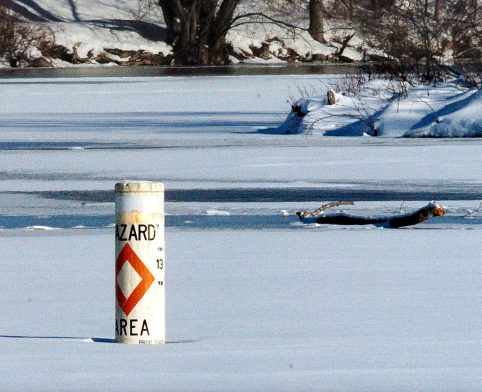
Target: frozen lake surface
(255, 300)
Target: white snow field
(256, 301)
(362, 310)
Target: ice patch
(215, 212)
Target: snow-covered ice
(255, 301)
(371, 310)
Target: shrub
(19, 39)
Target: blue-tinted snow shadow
(31, 10)
(147, 30)
(87, 340)
(430, 118)
(271, 131)
(185, 341)
(358, 127)
(103, 340)
(355, 129)
(46, 337)
(25, 8)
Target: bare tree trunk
(350, 9)
(425, 8)
(436, 12)
(316, 20)
(197, 29)
(172, 23)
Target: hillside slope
(127, 33)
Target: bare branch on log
(305, 214)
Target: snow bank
(351, 115)
(95, 38)
(261, 42)
(91, 26)
(248, 42)
(464, 122)
(378, 108)
(443, 110)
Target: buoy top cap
(143, 186)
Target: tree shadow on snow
(269, 131)
(430, 118)
(30, 10)
(147, 30)
(34, 337)
(42, 15)
(357, 128)
(73, 7)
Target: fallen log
(340, 218)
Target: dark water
(230, 70)
(292, 194)
(227, 70)
(190, 222)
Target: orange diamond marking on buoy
(127, 254)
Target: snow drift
(379, 109)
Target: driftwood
(395, 221)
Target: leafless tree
(466, 29)
(314, 14)
(420, 30)
(197, 29)
(407, 30)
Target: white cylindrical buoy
(140, 263)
